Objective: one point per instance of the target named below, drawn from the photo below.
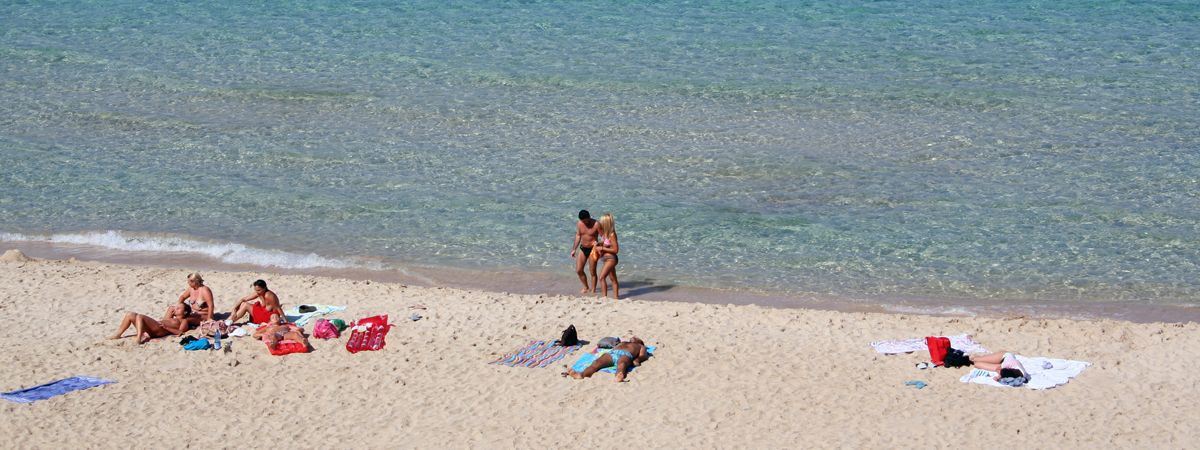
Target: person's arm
(271, 302)
(642, 356)
(615, 246)
(181, 326)
(244, 300)
(578, 238)
(207, 295)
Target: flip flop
(925, 365)
(916, 383)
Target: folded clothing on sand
(588, 358)
(891, 347)
(536, 354)
(1044, 373)
(54, 388)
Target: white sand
(725, 376)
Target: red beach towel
(287, 347)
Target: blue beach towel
(54, 388)
(587, 359)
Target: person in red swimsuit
(261, 310)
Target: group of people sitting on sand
(196, 306)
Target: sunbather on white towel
(1005, 365)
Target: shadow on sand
(643, 287)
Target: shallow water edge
(540, 283)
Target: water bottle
(217, 340)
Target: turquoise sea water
(987, 152)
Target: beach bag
(569, 337)
(211, 327)
(608, 342)
(937, 348)
(324, 329)
(956, 358)
(368, 334)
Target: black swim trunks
(587, 251)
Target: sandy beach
(724, 376)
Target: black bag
(956, 358)
(569, 337)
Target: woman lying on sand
(175, 322)
(625, 356)
(1005, 365)
(279, 330)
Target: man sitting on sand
(175, 322)
(625, 356)
(277, 330)
(261, 310)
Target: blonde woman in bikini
(605, 252)
(198, 297)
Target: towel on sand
(301, 319)
(53, 388)
(1060, 372)
(588, 358)
(536, 354)
(961, 342)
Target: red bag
(368, 334)
(937, 348)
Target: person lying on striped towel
(624, 356)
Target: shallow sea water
(985, 153)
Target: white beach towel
(1060, 372)
(294, 315)
(961, 342)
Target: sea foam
(226, 252)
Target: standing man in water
(586, 230)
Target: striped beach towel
(536, 354)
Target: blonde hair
(608, 227)
(195, 276)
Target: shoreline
(541, 283)
(724, 376)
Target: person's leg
(242, 310)
(990, 358)
(580, 259)
(297, 336)
(149, 328)
(592, 270)
(990, 367)
(601, 362)
(622, 367)
(609, 266)
(126, 322)
(616, 285)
